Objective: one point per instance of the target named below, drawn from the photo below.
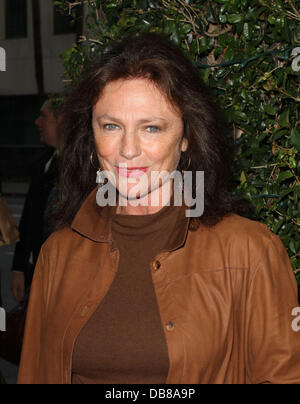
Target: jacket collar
(94, 223)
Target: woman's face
(135, 125)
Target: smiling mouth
(132, 171)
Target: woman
(141, 292)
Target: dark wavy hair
(157, 59)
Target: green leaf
(223, 18)
(210, 15)
(272, 19)
(142, 4)
(292, 246)
(240, 116)
(284, 119)
(295, 139)
(279, 133)
(278, 225)
(270, 109)
(246, 30)
(112, 4)
(285, 175)
(234, 18)
(243, 178)
(285, 193)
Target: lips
(132, 171)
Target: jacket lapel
(94, 222)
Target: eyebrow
(145, 120)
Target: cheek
(167, 155)
(53, 129)
(105, 146)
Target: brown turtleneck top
(123, 342)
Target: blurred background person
(8, 229)
(8, 235)
(34, 226)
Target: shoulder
(60, 247)
(235, 227)
(238, 242)
(241, 228)
(39, 161)
(256, 236)
(60, 240)
(66, 245)
(57, 252)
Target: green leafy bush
(244, 53)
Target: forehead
(135, 95)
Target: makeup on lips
(131, 171)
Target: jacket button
(170, 326)
(156, 265)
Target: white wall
(53, 46)
(19, 78)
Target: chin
(131, 195)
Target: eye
(152, 129)
(110, 127)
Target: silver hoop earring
(100, 178)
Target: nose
(130, 146)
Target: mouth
(132, 171)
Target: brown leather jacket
(225, 296)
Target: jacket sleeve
(272, 345)
(35, 324)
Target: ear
(184, 144)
